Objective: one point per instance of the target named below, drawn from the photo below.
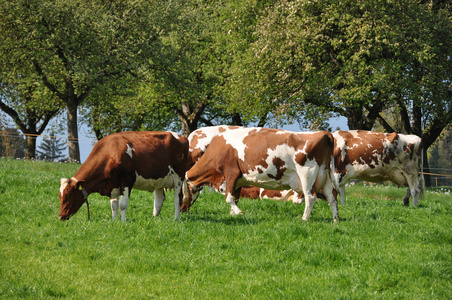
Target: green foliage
(74, 47)
(380, 249)
(353, 58)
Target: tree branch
(46, 81)
(385, 124)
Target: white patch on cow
(208, 134)
(114, 197)
(235, 210)
(221, 188)
(236, 138)
(129, 150)
(340, 143)
(177, 136)
(159, 197)
(151, 185)
(64, 183)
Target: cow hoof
(236, 213)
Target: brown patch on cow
(301, 158)
(250, 192)
(280, 168)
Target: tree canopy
(141, 65)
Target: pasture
(379, 250)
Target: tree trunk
(30, 147)
(190, 117)
(427, 177)
(188, 125)
(72, 132)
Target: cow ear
(79, 185)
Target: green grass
(379, 250)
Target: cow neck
(91, 181)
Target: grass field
(379, 250)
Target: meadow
(379, 250)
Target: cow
(254, 192)
(268, 158)
(200, 139)
(374, 156)
(149, 161)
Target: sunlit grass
(380, 249)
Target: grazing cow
(268, 158)
(149, 161)
(375, 156)
(255, 192)
(200, 139)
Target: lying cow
(255, 192)
(267, 158)
(149, 161)
(376, 157)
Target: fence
(439, 176)
(12, 143)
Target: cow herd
(242, 162)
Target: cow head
(191, 193)
(72, 196)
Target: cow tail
(421, 178)
(333, 167)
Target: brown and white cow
(255, 192)
(200, 139)
(148, 161)
(374, 156)
(268, 158)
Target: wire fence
(438, 176)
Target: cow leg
(114, 203)
(297, 198)
(329, 194)
(415, 188)
(124, 203)
(309, 200)
(342, 193)
(232, 199)
(114, 208)
(406, 198)
(159, 197)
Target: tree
(78, 46)
(51, 148)
(352, 58)
(29, 105)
